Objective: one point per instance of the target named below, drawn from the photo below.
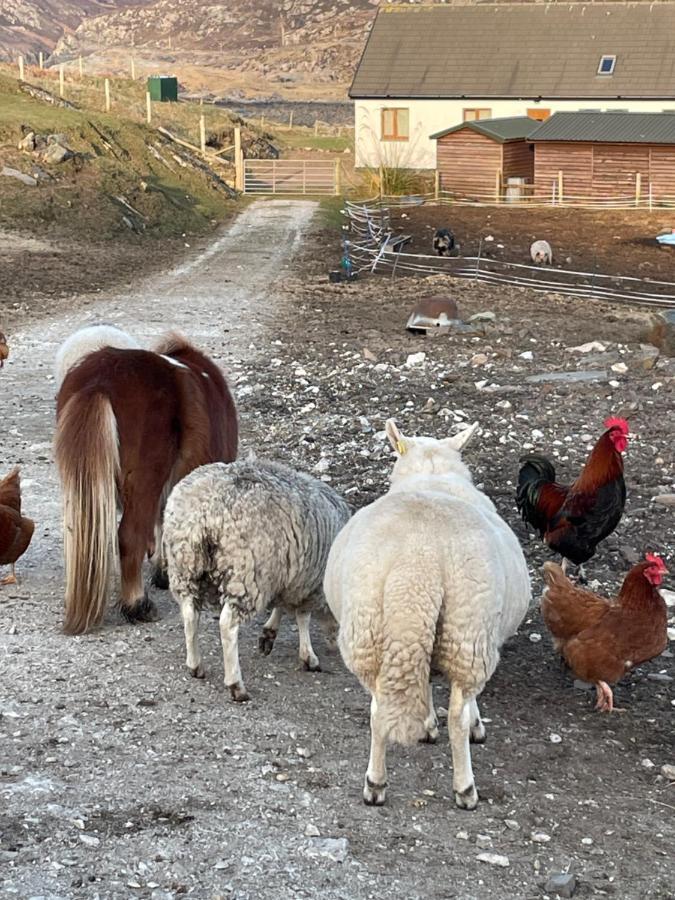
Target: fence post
(498, 185)
(238, 162)
(290, 120)
(148, 107)
(133, 69)
(560, 187)
(338, 187)
(650, 196)
(638, 186)
(304, 176)
(202, 134)
(62, 81)
(21, 71)
(316, 127)
(274, 176)
(41, 59)
(107, 94)
(437, 185)
(381, 180)
(81, 66)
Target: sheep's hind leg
(307, 655)
(229, 636)
(431, 722)
(476, 728)
(269, 632)
(193, 658)
(375, 787)
(459, 719)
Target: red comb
(656, 560)
(614, 422)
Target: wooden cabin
(476, 159)
(605, 156)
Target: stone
(582, 685)
(312, 831)
(483, 317)
(528, 355)
(590, 347)
(478, 360)
(415, 359)
(668, 772)
(567, 377)
(336, 849)
(561, 884)
(55, 154)
(662, 332)
(660, 676)
(645, 357)
(665, 499)
(27, 143)
(540, 837)
(483, 840)
(28, 180)
(512, 825)
(494, 859)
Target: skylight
(607, 64)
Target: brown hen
(16, 530)
(4, 349)
(602, 640)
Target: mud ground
(122, 777)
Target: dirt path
(122, 777)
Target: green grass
(305, 139)
(329, 212)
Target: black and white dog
(444, 241)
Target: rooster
(573, 520)
(4, 349)
(16, 530)
(601, 640)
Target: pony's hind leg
(229, 636)
(459, 719)
(159, 577)
(375, 786)
(269, 632)
(135, 604)
(306, 652)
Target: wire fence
(526, 201)
(373, 247)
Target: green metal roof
(609, 127)
(511, 128)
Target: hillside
(31, 26)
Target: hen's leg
(10, 579)
(606, 698)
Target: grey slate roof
(608, 127)
(510, 128)
(520, 50)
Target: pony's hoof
(160, 579)
(266, 641)
(198, 672)
(144, 610)
(238, 692)
(374, 794)
(468, 798)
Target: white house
(428, 67)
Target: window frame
(476, 109)
(395, 135)
(612, 59)
(535, 113)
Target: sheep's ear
(396, 439)
(459, 441)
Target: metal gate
(292, 176)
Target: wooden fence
(292, 176)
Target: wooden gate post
(107, 94)
(560, 187)
(148, 107)
(133, 69)
(238, 160)
(202, 134)
(81, 67)
(41, 59)
(638, 187)
(62, 81)
(498, 185)
(338, 186)
(21, 71)
(437, 185)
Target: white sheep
(541, 253)
(87, 340)
(245, 537)
(428, 574)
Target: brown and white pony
(130, 425)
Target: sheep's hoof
(430, 737)
(477, 733)
(312, 664)
(266, 641)
(374, 794)
(160, 579)
(468, 798)
(238, 692)
(198, 671)
(144, 610)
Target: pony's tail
(87, 455)
(410, 614)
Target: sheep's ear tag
(401, 448)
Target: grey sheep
(244, 537)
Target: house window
(471, 115)
(607, 64)
(395, 124)
(539, 114)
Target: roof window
(607, 64)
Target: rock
(55, 154)
(512, 825)
(620, 368)
(312, 831)
(590, 347)
(582, 685)
(528, 355)
(483, 317)
(562, 884)
(540, 837)
(478, 360)
(668, 772)
(662, 332)
(415, 359)
(8, 172)
(483, 840)
(668, 596)
(534, 637)
(645, 357)
(494, 859)
(665, 499)
(555, 738)
(567, 377)
(27, 143)
(660, 676)
(336, 849)
(647, 764)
